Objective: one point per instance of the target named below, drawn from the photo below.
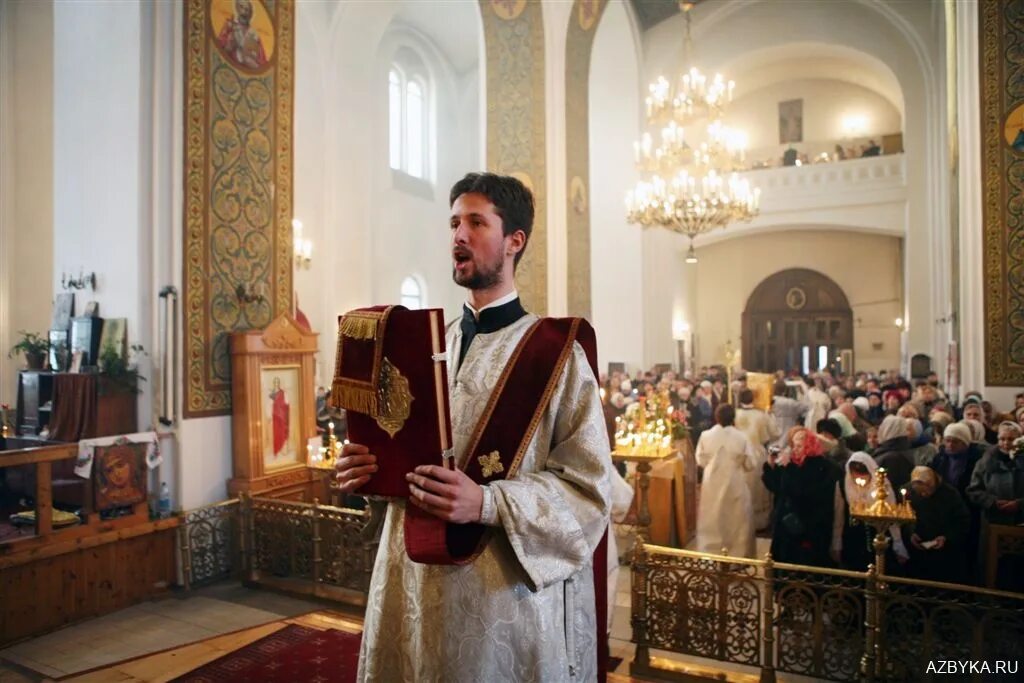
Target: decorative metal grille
(825, 624)
(210, 543)
(347, 560)
(924, 623)
(819, 624)
(282, 538)
(703, 608)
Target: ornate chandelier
(693, 188)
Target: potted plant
(120, 374)
(33, 346)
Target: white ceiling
(453, 26)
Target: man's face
(925, 489)
(973, 412)
(954, 445)
(1020, 401)
(478, 244)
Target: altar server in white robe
(524, 609)
(818, 404)
(725, 515)
(761, 429)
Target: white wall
(310, 163)
(101, 168)
(866, 267)
(409, 232)
(26, 245)
(368, 234)
(616, 249)
(825, 104)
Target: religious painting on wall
(239, 92)
(119, 474)
(791, 121)
(1002, 164)
(281, 415)
(245, 33)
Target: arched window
(414, 126)
(395, 118)
(409, 124)
(412, 293)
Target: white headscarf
(844, 423)
(977, 430)
(892, 427)
(862, 494)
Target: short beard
(482, 277)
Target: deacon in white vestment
(725, 515)
(761, 429)
(818, 406)
(524, 609)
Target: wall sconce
(680, 328)
(303, 247)
(899, 323)
(68, 282)
(248, 295)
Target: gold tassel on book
(354, 398)
(358, 327)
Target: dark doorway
(796, 319)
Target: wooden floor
(167, 665)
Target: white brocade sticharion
(524, 609)
(724, 514)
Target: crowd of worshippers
(797, 469)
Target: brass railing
(303, 548)
(210, 542)
(822, 623)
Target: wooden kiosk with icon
(273, 412)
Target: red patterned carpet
(295, 654)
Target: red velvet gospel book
(391, 378)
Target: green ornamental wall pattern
(1002, 120)
(586, 15)
(238, 185)
(514, 39)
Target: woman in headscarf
(977, 433)
(805, 487)
(846, 416)
(997, 487)
(997, 484)
(938, 542)
(894, 452)
(938, 420)
(854, 549)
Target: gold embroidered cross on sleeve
(491, 464)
